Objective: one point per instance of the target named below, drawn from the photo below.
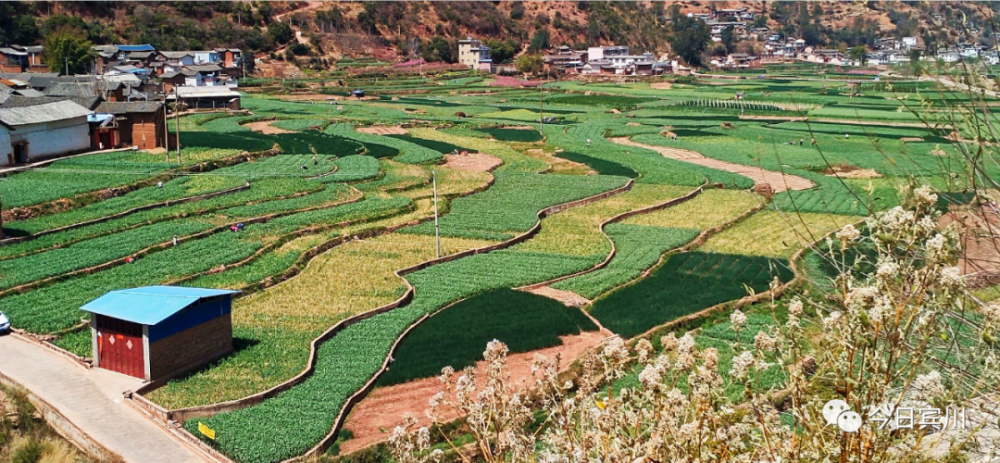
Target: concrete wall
(6, 151)
(190, 348)
(48, 140)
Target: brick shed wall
(147, 130)
(191, 348)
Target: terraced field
(340, 199)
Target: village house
(42, 128)
(133, 123)
(564, 59)
(214, 97)
(741, 61)
(474, 54)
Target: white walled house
(6, 150)
(40, 128)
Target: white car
(4, 323)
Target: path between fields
(473, 162)
(266, 128)
(373, 419)
(778, 181)
(92, 400)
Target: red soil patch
(383, 130)
(266, 128)
(849, 171)
(476, 162)
(568, 298)
(373, 419)
(977, 228)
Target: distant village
(122, 103)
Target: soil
(308, 97)
(383, 130)
(779, 182)
(561, 164)
(911, 139)
(846, 171)
(977, 228)
(568, 298)
(475, 162)
(661, 85)
(373, 419)
(266, 128)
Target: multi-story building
(473, 53)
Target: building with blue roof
(157, 332)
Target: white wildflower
(765, 343)
(925, 195)
(650, 376)
(742, 364)
(795, 307)
(644, 348)
(929, 385)
(848, 233)
(951, 277)
(668, 342)
(738, 319)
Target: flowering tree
(899, 332)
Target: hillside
(323, 32)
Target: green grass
(512, 202)
(685, 284)
(512, 135)
(638, 248)
(456, 337)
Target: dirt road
(777, 180)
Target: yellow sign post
(207, 431)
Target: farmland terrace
(620, 197)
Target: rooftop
(19, 110)
(150, 305)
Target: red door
(119, 346)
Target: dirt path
(374, 418)
(568, 298)
(91, 399)
(777, 180)
(383, 130)
(266, 128)
(475, 162)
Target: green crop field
(456, 336)
(685, 284)
(333, 210)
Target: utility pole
(541, 113)
(166, 131)
(437, 228)
(66, 60)
(177, 125)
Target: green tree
(916, 66)
(529, 63)
(729, 38)
(859, 53)
(25, 31)
(280, 32)
(502, 51)
(689, 39)
(67, 48)
(540, 41)
(438, 49)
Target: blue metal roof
(150, 305)
(144, 47)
